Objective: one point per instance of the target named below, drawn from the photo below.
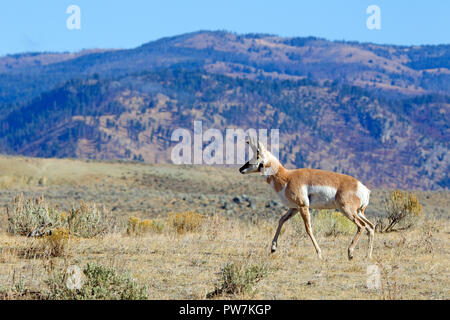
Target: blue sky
(41, 25)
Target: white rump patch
(363, 193)
(319, 197)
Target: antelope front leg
(291, 212)
(304, 211)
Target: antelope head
(260, 159)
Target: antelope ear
(252, 144)
(261, 147)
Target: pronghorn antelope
(301, 189)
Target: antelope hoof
(274, 247)
(350, 255)
(319, 255)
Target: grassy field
(233, 220)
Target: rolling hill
(378, 112)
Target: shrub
(29, 216)
(186, 221)
(137, 226)
(34, 217)
(428, 228)
(238, 278)
(19, 292)
(55, 244)
(333, 223)
(133, 226)
(403, 210)
(100, 283)
(87, 220)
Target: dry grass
(138, 227)
(188, 221)
(189, 265)
(190, 256)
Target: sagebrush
(403, 210)
(28, 216)
(35, 217)
(239, 278)
(99, 283)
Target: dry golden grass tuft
(56, 244)
(187, 221)
(138, 227)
